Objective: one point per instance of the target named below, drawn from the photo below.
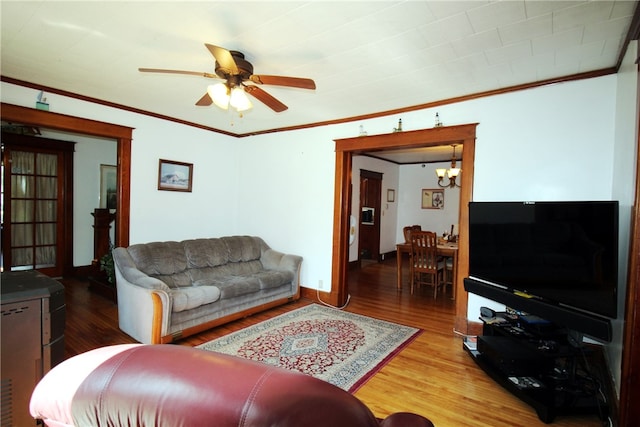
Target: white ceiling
(366, 57)
(418, 155)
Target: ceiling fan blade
(266, 99)
(191, 73)
(284, 81)
(224, 58)
(205, 101)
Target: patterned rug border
(411, 334)
(366, 377)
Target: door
(370, 202)
(37, 200)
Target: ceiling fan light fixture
(239, 99)
(219, 93)
(232, 66)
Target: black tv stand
(534, 360)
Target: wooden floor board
(432, 376)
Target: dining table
(445, 249)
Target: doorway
(122, 134)
(347, 148)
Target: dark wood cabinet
(33, 323)
(99, 281)
(370, 213)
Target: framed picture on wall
(175, 176)
(432, 198)
(108, 186)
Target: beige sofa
(169, 290)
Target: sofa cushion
(190, 297)
(273, 278)
(242, 248)
(203, 253)
(161, 260)
(238, 269)
(235, 286)
(177, 280)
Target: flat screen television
(558, 257)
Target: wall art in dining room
(432, 198)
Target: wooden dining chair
(426, 266)
(407, 232)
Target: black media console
(539, 363)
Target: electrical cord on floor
(597, 380)
(333, 306)
(461, 334)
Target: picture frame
(432, 198)
(175, 176)
(108, 187)
(391, 195)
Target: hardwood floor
(433, 376)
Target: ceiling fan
(232, 67)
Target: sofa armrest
(276, 260)
(51, 399)
(144, 302)
(130, 273)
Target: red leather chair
(166, 385)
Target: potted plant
(106, 265)
(105, 284)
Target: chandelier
(451, 173)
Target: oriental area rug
(344, 349)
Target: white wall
(285, 195)
(209, 210)
(414, 178)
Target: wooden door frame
(61, 122)
(629, 410)
(347, 148)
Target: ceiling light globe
(219, 93)
(239, 99)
